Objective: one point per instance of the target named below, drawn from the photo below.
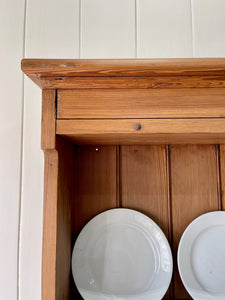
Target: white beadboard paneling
(108, 29)
(52, 31)
(164, 28)
(32, 194)
(209, 28)
(11, 51)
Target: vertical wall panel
(108, 29)
(208, 28)
(194, 191)
(52, 30)
(164, 28)
(11, 51)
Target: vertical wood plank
(194, 191)
(52, 31)
(222, 175)
(144, 183)
(95, 187)
(108, 29)
(11, 51)
(95, 183)
(50, 211)
(208, 28)
(58, 197)
(66, 171)
(48, 119)
(164, 28)
(50, 225)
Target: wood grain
(48, 120)
(57, 234)
(194, 191)
(49, 251)
(65, 198)
(151, 82)
(124, 67)
(38, 81)
(95, 183)
(175, 101)
(153, 131)
(58, 191)
(143, 183)
(13, 223)
(222, 175)
(50, 225)
(140, 103)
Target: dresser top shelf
(125, 73)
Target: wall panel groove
(21, 156)
(222, 176)
(208, 27)
(192, 28)
(11, 118)
(159, 34)
(108, 29)
(194, 190)
(218, 166)
(52, 31)
(170, 224)
(118, 176)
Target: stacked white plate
(122, 254)
(201, 257)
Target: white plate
(201, 257)
(122, 254)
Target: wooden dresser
(141, 134)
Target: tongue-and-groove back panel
(171, 184)
(194, 190)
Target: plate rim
(201, 293)
(134, 212)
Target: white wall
(73, 29)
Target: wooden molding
(119, 82)
(69, 73)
